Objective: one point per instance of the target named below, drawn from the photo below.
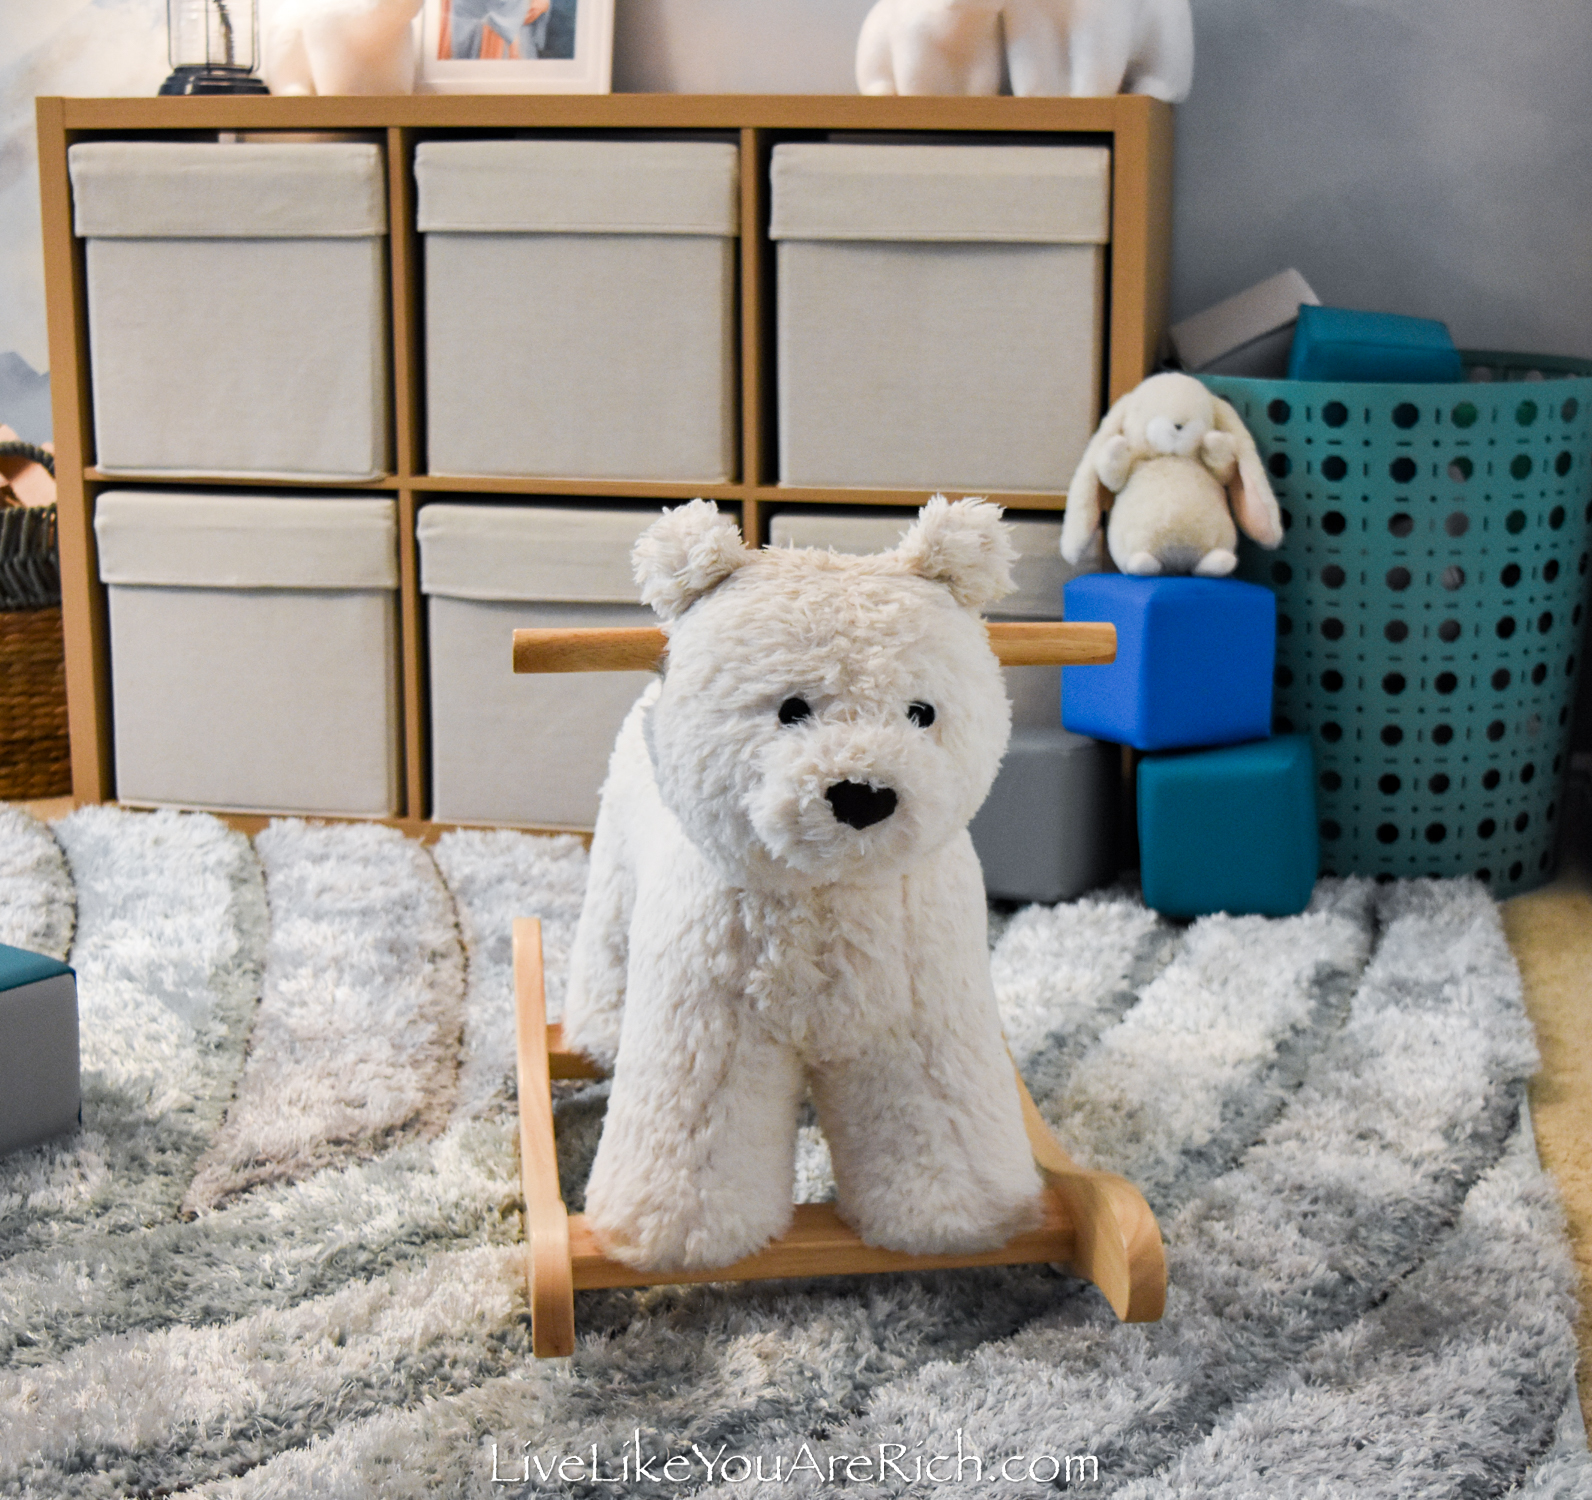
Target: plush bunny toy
(784, 900)
(1174, 456)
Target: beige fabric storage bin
(580, 314)
(1039, 574)
(533, 748)
(254, 650)
(939, 312)
(237, 307)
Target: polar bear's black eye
(921, 714)
(794, 710)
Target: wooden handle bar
(1018, 643)
(1052, 643)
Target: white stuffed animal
(784, 900)
(340, 46)
(931, 47)
(1174, 455)
(1043, 47)
(1090, 48)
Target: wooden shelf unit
(1137, 130)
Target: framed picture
(517, 46)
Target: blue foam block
(1229, 830)
(1195, 658)
(1337, 343)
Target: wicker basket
(35, 752)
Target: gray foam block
(40, 1090)
(1048, 829)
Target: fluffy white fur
(1043, 47)
(931, 47)
(340, 46)
(742, 946)
(1174, 456)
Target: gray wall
(1418, 156)
(736, 46)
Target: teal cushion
(18, 967)
(1339, 343)
(1229, 830)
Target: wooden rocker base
(1096, 1225)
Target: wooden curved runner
(1096, 1224)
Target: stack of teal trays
(1227, 811)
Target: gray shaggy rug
(282, 1256)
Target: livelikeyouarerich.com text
(517, 1464)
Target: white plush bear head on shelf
(825, 716)
(1176, 457)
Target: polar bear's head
(825, 717)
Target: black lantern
(214, 47)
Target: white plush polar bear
(1083, 48)
(784, 899)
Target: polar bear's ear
(964, 546)
(683, 554)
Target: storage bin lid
(545, 553)
(203, 190)
(578, 187)
(1039, 571)
(256, 541)
(1023, 194)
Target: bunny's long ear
(964, 546)
(683, 554)
(1254, 505)
(1086, 493)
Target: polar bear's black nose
(859, 805)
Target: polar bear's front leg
(928, 1149)
(629, 810)
(696, 1164)
(925, 1129)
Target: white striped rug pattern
(1366, 1257)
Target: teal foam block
(1337, 343)
(40, 1087)
(1230, 830)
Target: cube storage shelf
(311, 583)
(932, 303)
(524, 750)
(1132, 271)
(237, 307)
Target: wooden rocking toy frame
(1096, 1225)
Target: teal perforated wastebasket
(1431, 590)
